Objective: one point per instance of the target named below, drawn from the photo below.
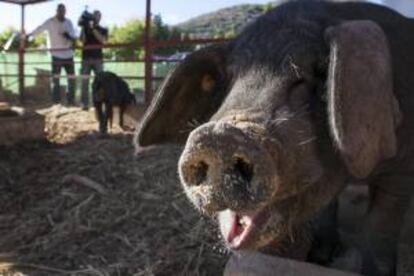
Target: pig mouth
(239, 230)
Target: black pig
(109, 90)
(274, 123)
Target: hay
(85, 205)
(66, 124)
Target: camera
(68, 36)
(85, 19)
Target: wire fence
(36, 77)
(37, 71)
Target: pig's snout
(224, 167)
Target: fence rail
(162, 64)
(148, 44)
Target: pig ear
(363, 112)
(189, 96)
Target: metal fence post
(21, 55)
(148, 56)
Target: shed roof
(23, 2)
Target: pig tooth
(247, 220)
(243, 222)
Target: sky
(115, 11)
(119, 11)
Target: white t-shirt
(55, 29)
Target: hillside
(223, 22)
(229, 21)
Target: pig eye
(208, 83)
(298, 94)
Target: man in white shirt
(61, 37)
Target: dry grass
(85, 205)
(81, 204)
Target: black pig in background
(109, 90)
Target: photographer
(62, 36)
(93, 36)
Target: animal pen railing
(146, 74)
(35, 72)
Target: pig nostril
(200, 173)
(244, 169)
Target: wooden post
(21, 55)
(148, 56)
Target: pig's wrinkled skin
(275, 122)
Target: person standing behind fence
(62, 36)
(93, 37)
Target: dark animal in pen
(276, 122)
(108, 91)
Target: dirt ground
(82, 204)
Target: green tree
(231, 33)
(162, 32)
(159, 30)
(131, 33)
(219, 33)
(39, 41)
(6, 35)
(267, 7)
